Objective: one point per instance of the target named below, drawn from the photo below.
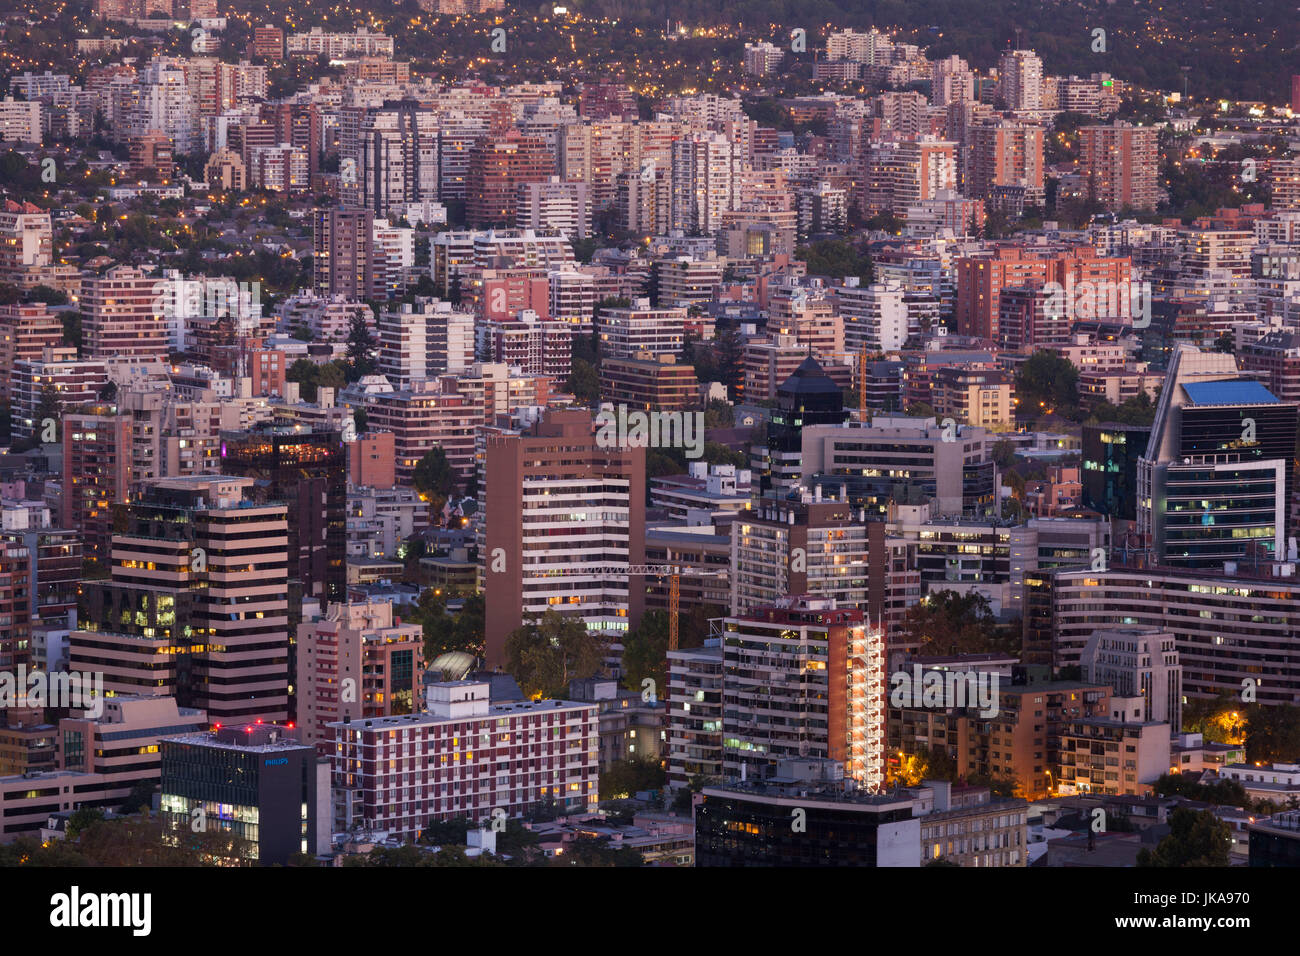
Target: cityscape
(461, 433)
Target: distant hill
(1242, 49)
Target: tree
(361, 348)
(948, 622)
(583, 382)
(921, 410)
(1047, 383)
(1195, 839)
(1004, 454)
(625, 778)
(1272, 733)
(645, 653)
(544, 655)
(434, 477)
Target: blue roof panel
(1231, 392)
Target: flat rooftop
(1230, 392)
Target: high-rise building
(625, 331)
(1006, 155)
(1214, 485)
(1120, 164)
(1020, 80)
(803, 678)
(306, 469)
(343, 260)
(497, 168)
(356, 662)
(807, 397)
(197, 604)
(562, 513)
(397, 158)
(703, 186)
(1138, 662)
(695, 714)
(124, 318)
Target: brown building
(564, 519)
(497, 168)
(1120, 165)
(343, 252)
(124, 318)
(96, 476)
(1021, 742)
(981, 278)
(649, 382)
(26, 331)
(268, 43)
(372, 460)
(151, 157)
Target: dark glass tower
(808, 397)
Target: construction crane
(859, 357)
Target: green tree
(1272, 733)
(1195, 839)
(435, 477)
(584, 382)
(1047, 383)
(544, 655)
(947, 623)
(645, 652)
(625, 778)
(361, 348)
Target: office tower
(474, 758)
(397, 157)
(803, 678)
(703, 185)
(1230, 627)
(343, 254)
(1110, 458)
(257, 782)
(1020, 80)
(306, 469)
(625, 331)
(1214, 485)
(124, 315)
(807, 397)
(562, 514)
(197, 604)
(1006, 156)
(356, 662)
(497, 168)
(1120, 165)
(1138, 662)
(747, 823)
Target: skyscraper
(1120, 164)
(306, 469)
(562, 515)
(1215, 482)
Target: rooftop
(1229, 392)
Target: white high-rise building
(396, 160)
(875, 316)
(165, 103)
(1020, 80)
(703, 183)
(555, 206)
